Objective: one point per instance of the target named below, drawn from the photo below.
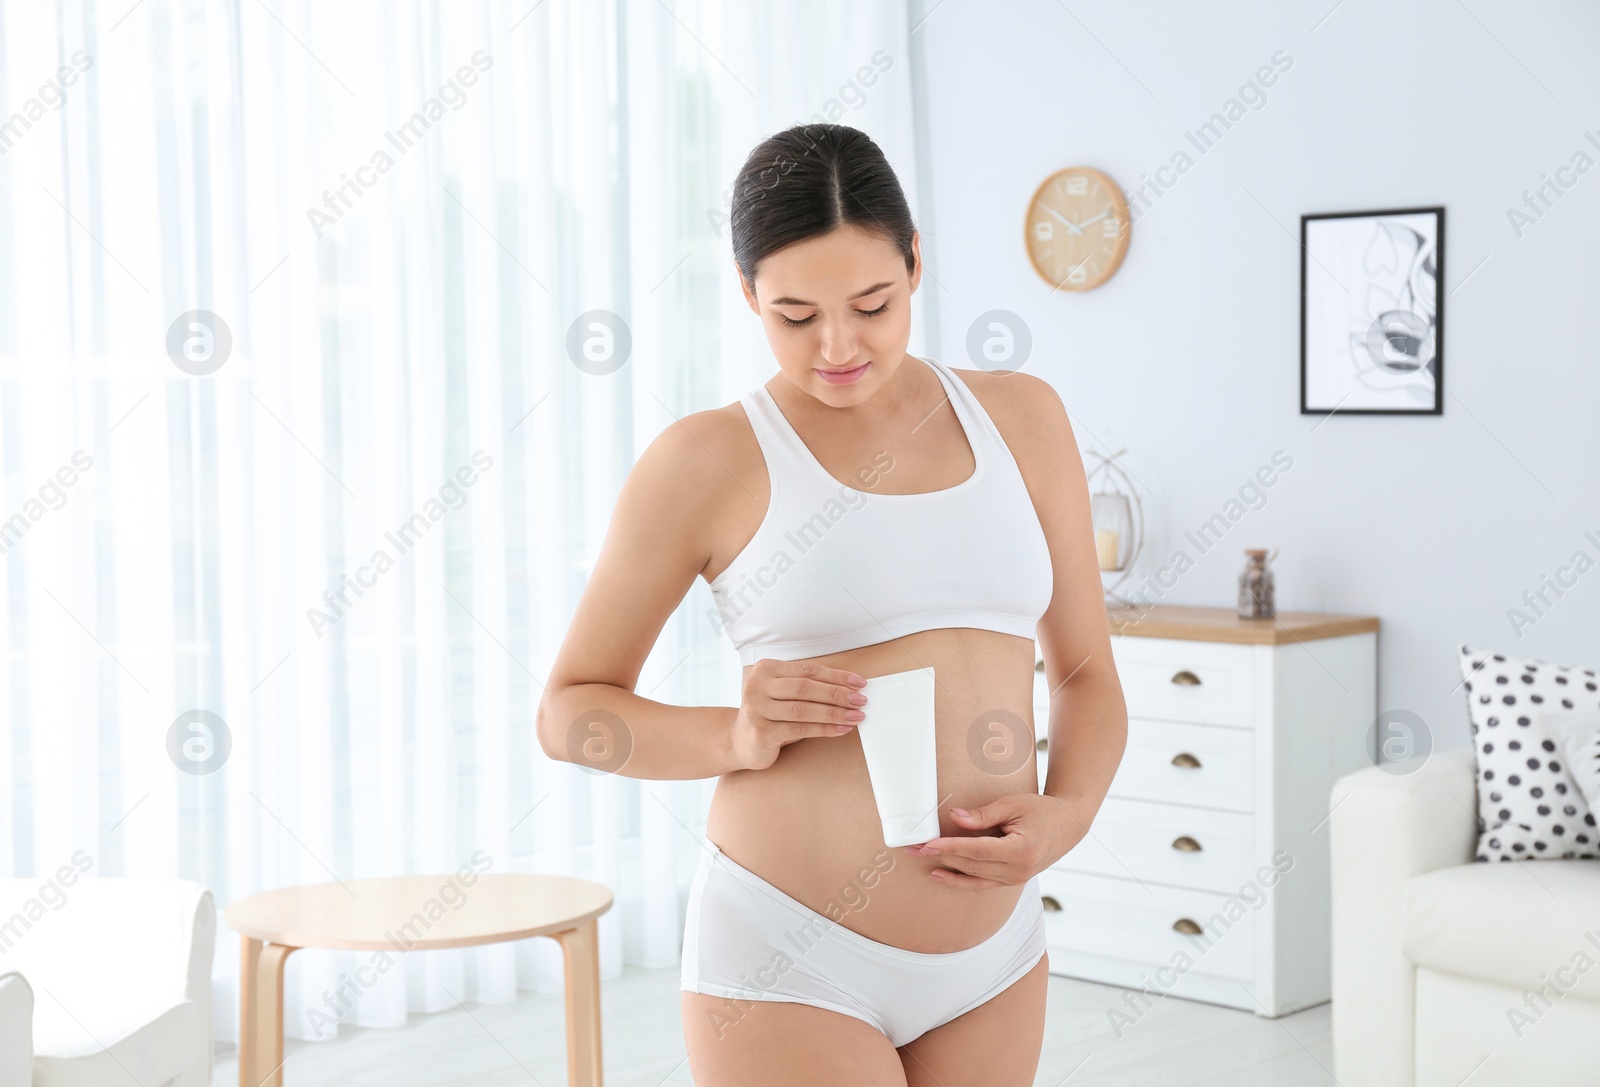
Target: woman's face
(835, 303)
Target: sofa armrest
(16, 1031)
(1388, 823)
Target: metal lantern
(1118, 522)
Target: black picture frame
(1385, 362)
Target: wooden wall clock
(1077, 228)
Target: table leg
(261, 1013)
(249, 963)
(580, 947)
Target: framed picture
(1372, 312)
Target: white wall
(1189, 356)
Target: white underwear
(746, 940)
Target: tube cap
(910, 829)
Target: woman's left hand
(1038, 830)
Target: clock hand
(1069, 223)
(1097, 218)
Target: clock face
(1077, 229)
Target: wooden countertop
(1224, 625)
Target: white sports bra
(833, 568)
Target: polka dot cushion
(1580, 739)
(1526, 717)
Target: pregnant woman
(864, 512)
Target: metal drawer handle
(1186, 760)
(1186, 926)
(1043, 744)
(1186, 678)
(1050, 903)
(1185, 844)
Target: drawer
(1117, 919)
(1166, 843)
(1172, 679)
(1203, 765)
(1208, 766)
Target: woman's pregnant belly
(808, 823)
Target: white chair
(1449, 970)
(16, 1031)
(115, 976)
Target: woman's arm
(654, 548)
(1088, 716)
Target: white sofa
(1446, 968)
(104, 979)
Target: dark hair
(809, 180)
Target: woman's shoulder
(697, 441)
(699, 456)
(1020, 403)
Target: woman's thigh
(779, 1043)
(996, 1044)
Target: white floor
(1175, 1042)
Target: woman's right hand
(785, 701)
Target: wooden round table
(416, 913)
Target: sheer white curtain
(301, 481)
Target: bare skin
(793, 801)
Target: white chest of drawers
(1205, 874)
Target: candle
(1108, 545)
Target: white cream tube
(897, 737)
